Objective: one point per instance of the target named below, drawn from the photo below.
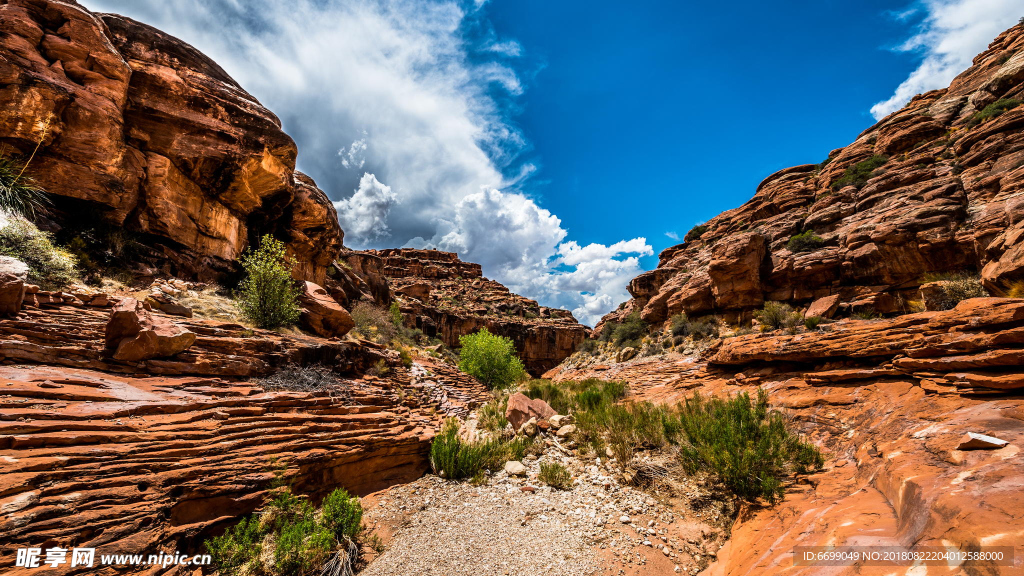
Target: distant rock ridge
(448, 298)
(936, 187)
(141, 130)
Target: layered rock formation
(148, 133)
(889, 402)
(935, 187)
(157, 455)
(448, 298)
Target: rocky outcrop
(933, 188)
(321, 314)
(890, 403)
(134, 334)
(445, 297)
(150, 134)
(160, 454)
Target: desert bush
(1015, 289)
(993, 110)
(695, 233)
(778, 315)
(956, 288)
(19, 192)
(491, 359)
(49, 266)
(374, 323)
(805, 242)
(588, 346)
(396, 314)
(812, 322)
(301, 538)
(700, 329)
(555, 475)
(630, 331)
(268, 297)
(858, 174)
(492, 415)
(454, 458)
(746, 445)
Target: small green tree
(396, 315)
(491, 359)
(268, 296)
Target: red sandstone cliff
(146, 130)
(948, 198)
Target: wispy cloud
(672, 236)
(951, 33)
(403, 113)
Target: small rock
(515, 468)
(565, 431)
(624, 519)
(529, 428)
(974, 441)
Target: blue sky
(562, 144)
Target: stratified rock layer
(152, 135)
(948, 197)
(889, 402)
(448, 298)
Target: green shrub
(453, 458)
(858, 174)
(956, 288)
(50, 267)
(746, 445)
(19, 193)
(777, 315)
(993, 110)
(555, 475)
(588, 346)
(491, 359)
(630, 331)
(303, 538)
(396, 315)
(492, 414)
(699, 329)
(268, 297)
(805, 242)
(812, 322)
(695, 233)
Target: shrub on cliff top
(49, 266)
(491, 359)
(805, 242)
(268, 297)
(695, 233)
(858, 174)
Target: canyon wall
(936, 187)
(135, 128)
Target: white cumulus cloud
(951, 34)
(364, 215)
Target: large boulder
(521, 409)
(134, 334)
(12, 294)
(322, 314)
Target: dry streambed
(518, 525)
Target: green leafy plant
(778, 315)
(396, 314)
(812, 322)
(858, 174)
(745, 444)
(491, 359)
(701, 329)
(556, 475)
(805, 242)
(49, 266)
(268, 297)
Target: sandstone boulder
(14, 267)
(823, 307)
(419, 291)
(134, 334)
(521, 409)
(322, 314)
(12, 294)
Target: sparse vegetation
(19, 193)
(806, 241)
(956, 288)
(374, 323)
(492, 415)
(556, 475)
(812, 322)
(778, 315)
(491, 359)
(454, 458)
(993, 110)
(627, 333)
(299, 539)
(588, 346)
(695, 233)
(313, 378)
(700, 329)
(747, 445)
(51, 267)
(268, 296)
(858, 174)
